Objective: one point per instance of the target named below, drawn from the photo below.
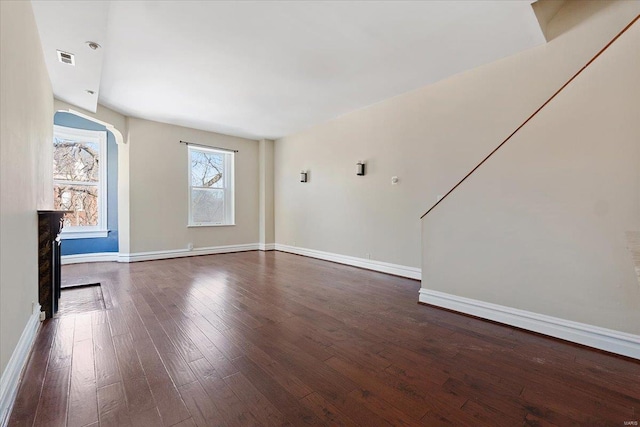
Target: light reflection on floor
(80, 300)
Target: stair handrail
(533, 115)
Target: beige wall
(152, 185)
(265, 169)
(542, 225)
(429, 138)
(159, 189)
(26, 175)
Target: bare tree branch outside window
(76, 174)
(207, 187)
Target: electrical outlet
(190, 246)
(394, 180)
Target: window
(211, 199)
(80, 181)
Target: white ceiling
(67, 26)
(270, 69)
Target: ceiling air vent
(66, 58)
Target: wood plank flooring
(274, 339)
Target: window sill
(210, 225)
(66, 235)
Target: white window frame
(99, 137)
(229, 187)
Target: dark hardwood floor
(256, 338)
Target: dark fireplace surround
(49, 262)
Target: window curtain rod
(207, 146)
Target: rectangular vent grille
(66, 58)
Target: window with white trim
(211, 200)
(80, 181)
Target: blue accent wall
(109, 243)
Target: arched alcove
(119, 187)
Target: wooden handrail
(533, 115)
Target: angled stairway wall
(543, 225)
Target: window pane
(81, 199)
(207, 206)
(75, 160)
(207, 169)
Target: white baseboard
(179, 253)
(175, 253)
(384, 267)
(10, 380)
(581, 333)
(96, 257)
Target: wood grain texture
(112, 405)
(200, 405)
(134, 380)
(24, 412)
(83, 393)
(52, 407)
(254, 338)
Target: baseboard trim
(593, 336)
(179, 253)
(155, 255)
(383, 267)
(10, 380)
(95, 257)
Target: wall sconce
(303, 176)
(360, 168)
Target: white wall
(159, 189)
(429, 138)
(26, 168)
(542, 226)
